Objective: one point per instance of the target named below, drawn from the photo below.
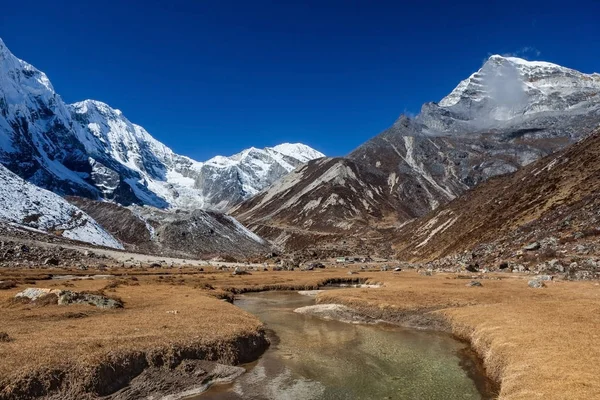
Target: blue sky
(214, 77)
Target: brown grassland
(537, 343)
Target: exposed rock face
(325, 198)
(507, 115)
(188, 234)
(92, 150)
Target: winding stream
(311, 358)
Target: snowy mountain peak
(517, 61)
(508, 87)
(298, 151)
(15, 72)
(92, 150)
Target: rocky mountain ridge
(543, 217)
(92, 150)
(502, 118)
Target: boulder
(66, 297)
(51, 261)
(536, 284)
(532, 246)
(472, 268)
(34, 294)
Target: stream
(312, 358)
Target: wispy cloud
(525, 52)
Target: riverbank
(536, 343)
(151, 346)
(174, 335)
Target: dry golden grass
(76, 336)
(538, 343)
(171, 314)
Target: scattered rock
(174, 312)
(4, 338)
(544, 277)
(532, 246)
(51, 261)
(536, 284)
(397, 269)
(474, 284)
(239, 271)
(34, 294)
(68, 297)
(472, 268)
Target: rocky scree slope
(325, 197)
(92, 150)
(29, 206)
(506, 115)
(179, 233)
(547, 210)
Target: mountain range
(500, 120)
(91, 150)
(506, 115)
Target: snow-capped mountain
(90, 149)
(506, 115)
(27, 205)
(509, 91)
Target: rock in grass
(536, 284)
(69, 297)
(66, 297)
(34, 294)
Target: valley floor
(537, 343)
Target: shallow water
(311, 358)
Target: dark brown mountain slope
(327, 201)
(552, 205)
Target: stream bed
(312, 358)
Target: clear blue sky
(214, 77)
